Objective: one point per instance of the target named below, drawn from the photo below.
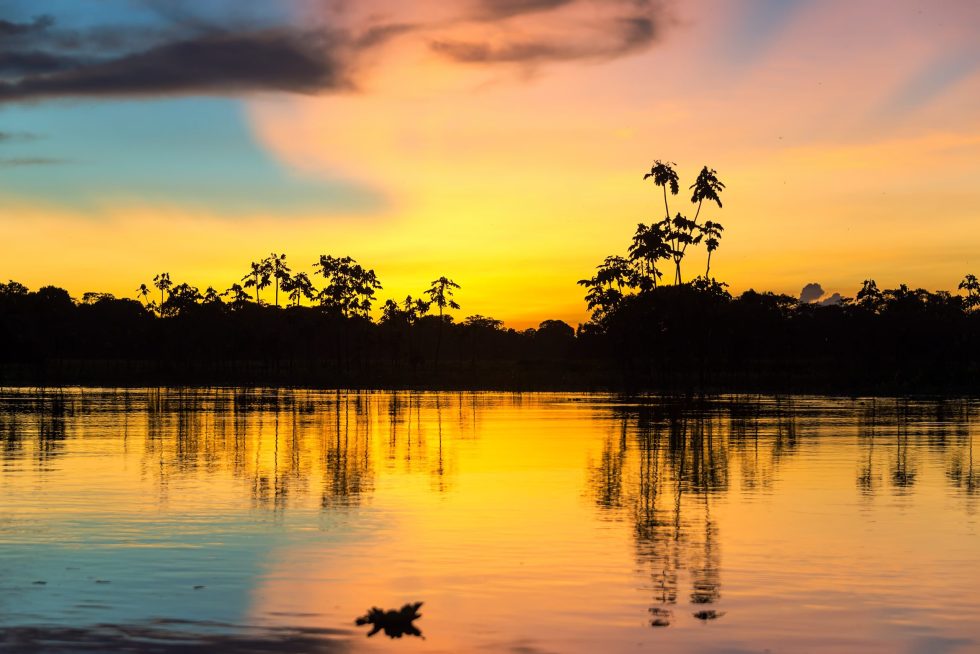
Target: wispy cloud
(934, 79)
(611, 39)
(18, 162)
(18, 137)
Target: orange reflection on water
(548, 522)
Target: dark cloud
(831, 301)
(34, 62)
(616, 38)
(211, 64)
(811, 293)
(39, 24)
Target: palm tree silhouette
(143, 293)
(679, 232)
(260, 276)
(441, 295)
(664, 175)
(712, 231)
(163, 283)
(706, 187)
(276, 265)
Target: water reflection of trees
(895, 434)
(663, 468)
(281, 446)
(665, 464)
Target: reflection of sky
(153, 570)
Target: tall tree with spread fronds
(281, 273)
(163, 284)
(441, 294)
(259, 277)
(143, 294)
(679, 231)
(712, 239)
(665, 176)
(706, 187)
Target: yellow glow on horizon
(517, 181)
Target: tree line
(348, 289)
(275, 325)
(697, 334)
(648, 328)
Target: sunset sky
(499, 142)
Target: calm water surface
(204, 520)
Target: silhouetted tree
(182, 297)
(416, 308)
(869, 297)
(91, 297)
(441, 295)
(650, 246)
(712, 232)
(211, 296)
(679, 232)
(299, 286)
(706, 187)
(281, 273)
(238, 295)
(350, 288)
(483, 322)
(260, 276)
(684, 232)
(163, 283)
(614, 277)
(972, 288)
(664, 175)
(13, 289)
(143, 294)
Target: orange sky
(848, 136)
